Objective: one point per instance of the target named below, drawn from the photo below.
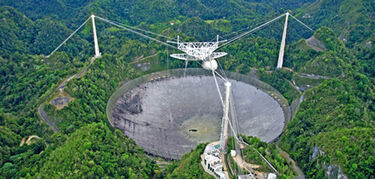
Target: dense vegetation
(17, 160)
(329, 119)
(91, 94)
(96, 151)
(271, 153)
(189, 166)
(332, 117)
(93, 150)
(333, 127)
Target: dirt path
(243, 164)
(28, 141)
(22, 141)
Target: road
(242, 164)
(80, 74)
(295, 166)
(45, 118)
(312, 76)
(294, 85)
(141, 58)
(61, 87)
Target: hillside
(332, 129)
(352, 21)
(189, 166)
(96, 151)
(326, 122)
(322, 132)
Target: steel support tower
(96, 46)
(225, 121)
(280, 61)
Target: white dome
(210, 65)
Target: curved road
(300, 174)
(45, 118)
(61, 87)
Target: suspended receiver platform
(199, 51)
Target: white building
(272, 176)
(212, 160)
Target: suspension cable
(186, 63)
(214, 73)
(238, 31)
(62, 43)
(222, 69)
(217, 87)
(146, 31)
(218, 74)
(235, 32)
(136, 32)
(234, 115)
(301, 22)
(250, 31)
(269, 164)
(168, 58)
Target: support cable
(146, 31)
(214, 73)
(234, 115)
(168, 59)
(217, 87)
(69, 37)
(222, 69)
(250, 31)
(264, 159)
(186, 63)
(235, 32)
(235, 128)
(234, 133)
(218, 74)
(302, 23)
(138, 33)
(269, 164)
(216, 83)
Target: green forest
(333, 126)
